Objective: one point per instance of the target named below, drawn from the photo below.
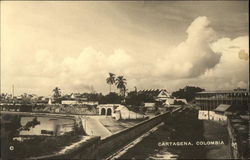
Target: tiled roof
(151, 92)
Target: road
(92, 126)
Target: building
(107, 109)
(76, 98)
(123, 112)
(149, 106)
(220, 113)
(209, 100)
(118, 111)
(159, 95)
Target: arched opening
(109, 112)
(103, 111)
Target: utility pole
(13, 90)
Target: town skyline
(74, 45)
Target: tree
(11, 129)
(111, 98)
(121, 84)
(56, 93)
(138, 99)
(187, 93)
(26, 99)
(110, 80)
(30, 124)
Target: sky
(73, 45)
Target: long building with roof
(209, 100)
(157, 94)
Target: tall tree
(187, 92)
(26, 98)
(56, 93)
(121, 85)
(110, 80)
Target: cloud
(74, 74)
(201, 59)
(192, 57)
(233, 70)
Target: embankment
(95, 148)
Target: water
(48, 126)
(23, 125)
(36, 135)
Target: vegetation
(57, 94)
(111, 98)
(136, 99)
(26, 99)
(30, 124)
(187, 93)
(33, 145)
(47, 145)
(110, 80)
(93, 96)
(10, 125)
(121, 85)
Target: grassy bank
(40, 145)
(32, 145)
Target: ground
(115, 126)
(185, 127)
(105, 126)
(214, 130)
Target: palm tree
(121, 84)
(26, 99)
(110, 80)
(57, 93)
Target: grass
(41, 145)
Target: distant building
(122, 112)
(221, 113)
(160, 95)
(77, 98)
(222, 108)
(157, 94)
(107, 109)
(209, 100)
(178, 101)
(73, 101)
(149, 106)
(118, 111)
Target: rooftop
(224, 91)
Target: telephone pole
(13, 90)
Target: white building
(123, 112)
(72, 101)
(118, 111)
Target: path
(92, 126)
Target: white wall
(122, 112)
(204, 115)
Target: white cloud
(232, 71)
(192, 57)
(199, 60)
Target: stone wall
(99, 149)
(238, 129)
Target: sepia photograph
(139, 80)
